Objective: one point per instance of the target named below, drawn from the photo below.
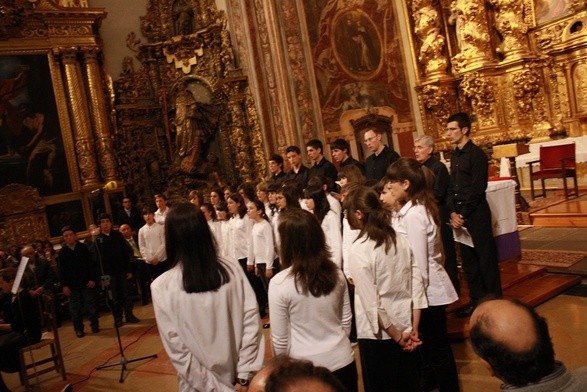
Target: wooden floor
(566, 213)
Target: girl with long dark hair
(308, 301)
(206, 312)
(409, 185)
(389, 294)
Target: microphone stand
(105, 279)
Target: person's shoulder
(281, 277)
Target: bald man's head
(513, 339)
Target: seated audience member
(290, 375)
(21, 325)
(79, 275)
(514, 343)
(43, 276)
(206, 310)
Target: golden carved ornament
(11, 19)
(526, 85)
(472, 32)
(184, 52)
(18, 199)
(427, 28)
(479, 90)
(437, 100)
(509, 22)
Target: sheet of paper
(463, 236)
(19, 274)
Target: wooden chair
(36, 356)
(555, 162)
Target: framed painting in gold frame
(32, 148)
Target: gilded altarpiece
(520, 78)
(184, 112)
(57, 129)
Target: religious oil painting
(31, 144)
(358, 58)
(549, 10)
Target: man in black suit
(320, 165)
(377, 163)
(129, 215)
(341, 153)
(113, 254)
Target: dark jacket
(76, 267)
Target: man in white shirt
(162, 209)
(152, 244)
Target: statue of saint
(183, 15)
(184, 121)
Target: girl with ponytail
(409, 186)
(389, 295)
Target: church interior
(145, 97)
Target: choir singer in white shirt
(206, 310)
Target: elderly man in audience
(514, 344)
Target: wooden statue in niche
(195, 123)
(183, 16)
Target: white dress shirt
(223, 238)
(308, 327)
(388, 285)
(349, 235)
(240, 231)
(161, 215)
(261, 248)
(331, 227)
(413, 222)
(152, 242)
(334, 204)
(212, 337)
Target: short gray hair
(428, 140)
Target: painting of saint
(356, 42)
(31, 146)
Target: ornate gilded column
(509, 21)
(239, 144)
(432, 43)
(82, 128)
(472, 33)
(99, 113)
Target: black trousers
(348, 377)
(480, 263)
(257, 286)
(387, 368)
(436, 352)
(450, 252)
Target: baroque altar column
(98, 110)
(82, 128)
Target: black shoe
(132, 319)
(118, 323)
(80, 334)
(465, 311)
(266, 325)
(95, 329)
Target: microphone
(109, 186)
